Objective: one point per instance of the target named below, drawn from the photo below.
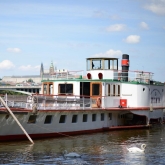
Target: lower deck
(41, 120)
(54, 124)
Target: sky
(69, 31)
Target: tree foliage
(3, 92)
(30, 80)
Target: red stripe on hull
(80, 110)
(66, 134)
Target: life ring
(98, 102)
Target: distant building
(20, 79)
(34, 78)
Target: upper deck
(102, 69)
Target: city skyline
(68, 32)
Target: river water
(95, 149)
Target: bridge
(22, 89)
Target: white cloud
(115, 17)
(109, 53)
(156, 6)
(132, 39)
(14, 50)
(6, 65)
(29, 68)
(98, 14)
(115, 27)
(144, 25)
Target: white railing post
(45, 103)
(75, 102)
(103, 102)
(56, 103)
(66, 103)
(6, 98)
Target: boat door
(96, 94)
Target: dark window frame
(95, 89)
(94, 117)
(48, 119)
(65, 89)
(62, 119)
(102, 116)
(85, 118)
(110, 116)
(74, 118)
(32, 119)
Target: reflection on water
(100, 148)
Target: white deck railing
(64, 75)
(135, 76)
(64, 102)
(58, 102)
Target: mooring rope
(56, 132)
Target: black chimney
(125, 67)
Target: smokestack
(125, 66)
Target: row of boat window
(113, 90)
(48, 118)
(62, 88)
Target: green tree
(3, 92)
(30, 80)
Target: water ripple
(101, 148)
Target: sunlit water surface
(100, 148)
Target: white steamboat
(71, 103)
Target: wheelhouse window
(97, 64)
(65, 89)
(74, 119)
(48, 119)
(93, 117)
(32, 119)
(102, 116)
(88, 64)
(62, 119)
(106, 64)
(102, 63)
(85, 116)
(115, 64)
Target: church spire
(51, 69)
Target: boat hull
(97, 120)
